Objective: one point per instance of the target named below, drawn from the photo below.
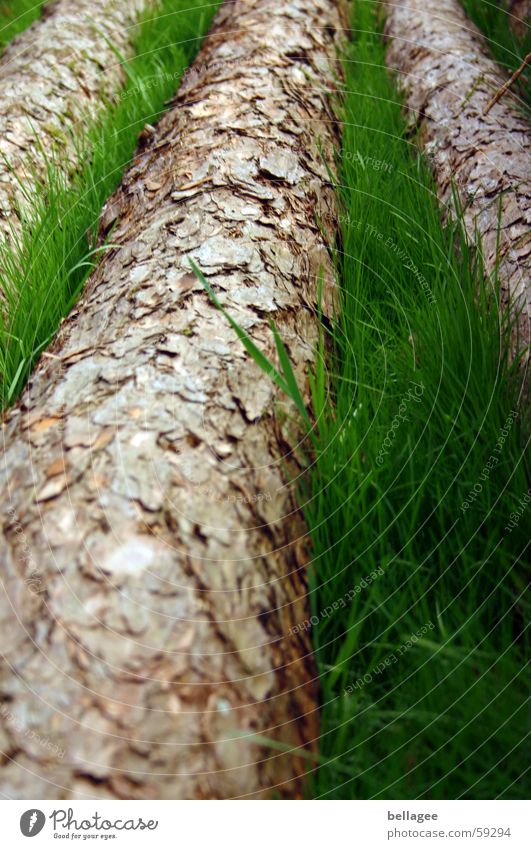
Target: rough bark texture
(441, 61)
(52, 77)
(152, 555)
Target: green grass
(16, 16)
(417, 608)
(507, 47)
(445, 717)
(43, 271)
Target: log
(520, 12)
(449, 79)
(152, 555)
(53, 77)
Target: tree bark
(150, 506)
(449, 81)
(53, 77)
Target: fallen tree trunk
(449, 81)
(152, 556)
(52, 78)
(17, 19)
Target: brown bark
(53, 77)
(449, 79)
(149, 504)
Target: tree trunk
(52, 76)
(152, 553)
(449, 81)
